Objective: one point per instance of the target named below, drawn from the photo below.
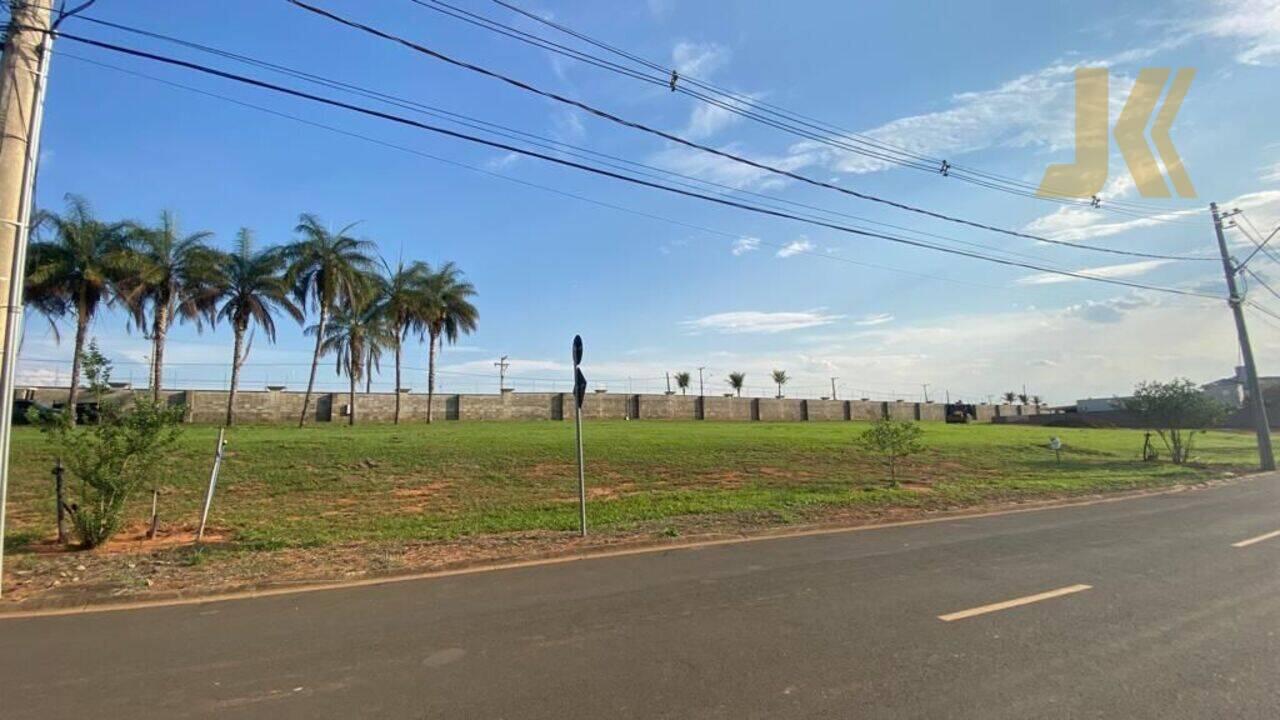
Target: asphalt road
(1175, 623)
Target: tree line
(361, 305)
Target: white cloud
(752, 321)
(502, 161)
(744, 245)
(1270, 174)
(795, 247)
(1122, 270)
(875, 319)
(1032, 110)
(1112, 310)
(706, 120)
(1254, 24)
(726, 171)
(1075, 223)
(567, 126)
(698, 59)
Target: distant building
(1233, 393)
(1100, 405)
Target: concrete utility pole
(1263, 430)
(502, 366)
(700, 393)
(23, 68)
(833, 388)
(925, 386)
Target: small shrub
(893, 440)
(120, 452)
(1175, 410)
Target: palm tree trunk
(368, 370)
(397, 418)
(235, 374)
(82, 328)
(159, 330)
(351, 411)
(315, 363)
(431, 373)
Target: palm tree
(780, 378)
(253, 288)
(682, 382)
(375, 344)
(1011, 397)
(75, 271)
(169, 277)
(327, 270)
(736, 380)
(448, 312)
(401, 307)
(348, 334)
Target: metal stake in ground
(59, 493)
(579, 392)
(213, 481)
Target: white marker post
(579, 392)
(213, 481)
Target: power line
(523, 136)
(836, 136)
(1262, 309)
(1260, 246)
(706, 148)
(607, 173)
(1258, 279)
(518, 181)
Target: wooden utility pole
(1261, 427)
(23, 69)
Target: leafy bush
(1172, 409)
(111, 459)
(894, 440)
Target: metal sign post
(579, 392)
(213, 481)
(1056, 444)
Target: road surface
(1158, 607)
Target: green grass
(283, 487)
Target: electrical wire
(901, 156)
(1258, 279)
(607, 173)
(705, 148)
(518, 181)
(536, 140)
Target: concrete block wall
(900, 411)
(510, 406)
(779, 410)
(728, 408)
(267, 406)
(826, 410)
(867, 410)
(931, 412)
(601, 406)
(667, 407)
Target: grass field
(287, 488)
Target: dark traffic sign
(579, 386)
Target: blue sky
(667, 283)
